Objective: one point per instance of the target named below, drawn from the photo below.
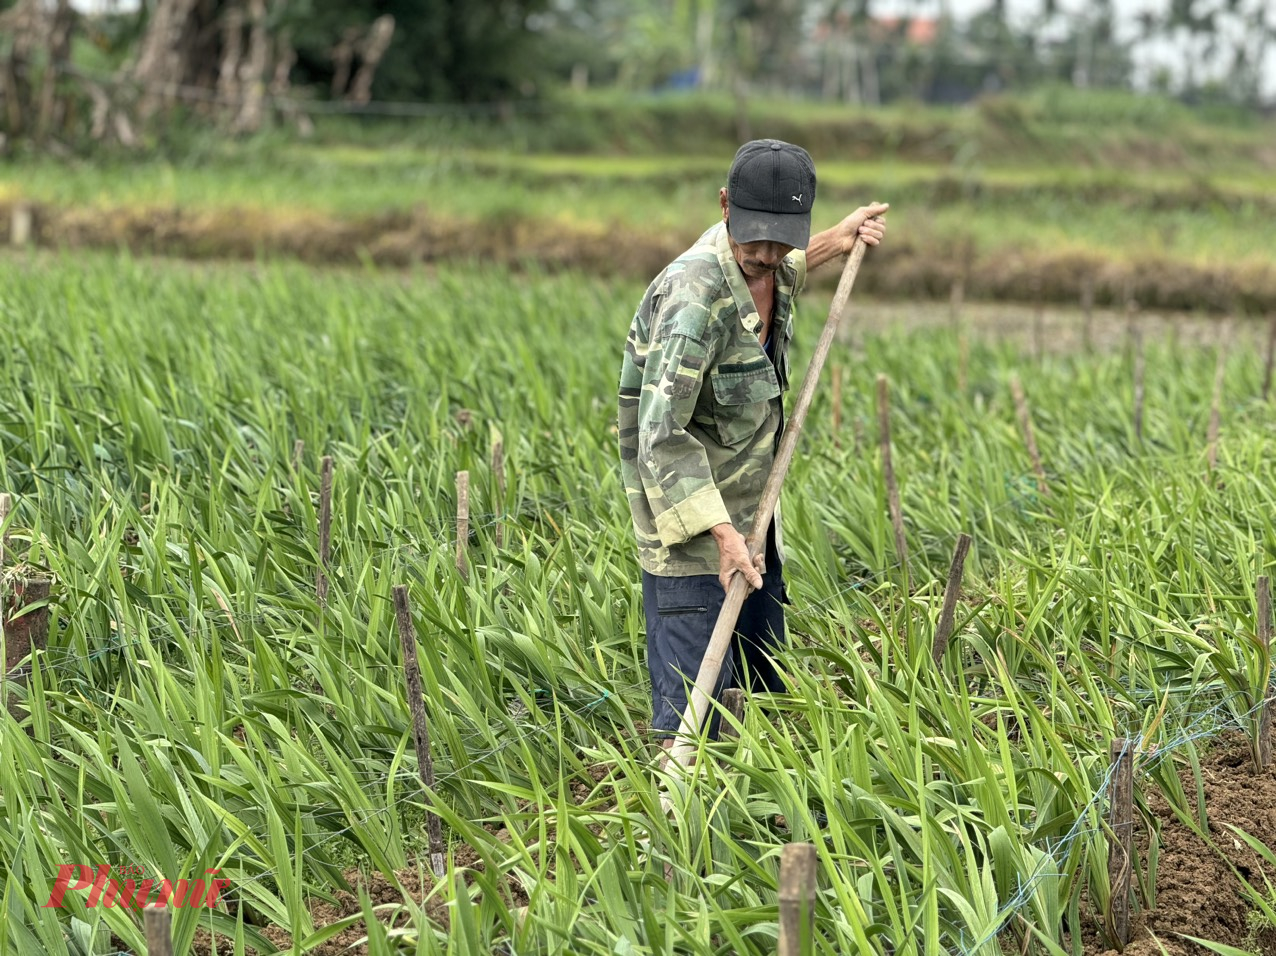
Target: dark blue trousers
(681, 613)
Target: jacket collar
(785, 279)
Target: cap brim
(750, 225)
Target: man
(706, 363)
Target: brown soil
(916, 269)
(1197, 892)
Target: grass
(197, 708)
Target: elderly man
(701, 413)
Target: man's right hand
(734, 556)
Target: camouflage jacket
(700, 404)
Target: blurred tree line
(244, 62)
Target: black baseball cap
(770, 191)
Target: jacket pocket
(743, 393)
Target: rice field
(198, 708)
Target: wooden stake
(956, 298)
(1087, 306)
(298, 450)
(1220, 369)
(1138, 384)
(888, 469)
(420, 728)
(837, 406)
(857, 426)
(21, 225)
(325, 529)
(1265, 638)
(462, 523)
(1121, 840)
(724, 628)
(963, 361)
(1038, 323)
(1025, 424)
(498, 475)
(944, 629)
(797, 899)
(159, 931)
(733, 701)
(23, 635)
(1271, 359)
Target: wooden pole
(1121, 840)
(733, 701)
(1264, 629)
(1087, 306)
(158, 922)
(462, 523)
(1216, 401)
(944, 630)
(797, 899)
(325, 529)
(1271, 359)
(498, 475)
(1138, 385)
(1025, 424)
(837, 405)
(21, 225)
(1038, 322)
(956, 298)
(724, 630)
(298, 450)
(420, 728)
(888, 468)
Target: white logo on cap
(797, 198)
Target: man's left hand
(862, 223)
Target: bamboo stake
(298, 450)
(1265, 638)
(325, 529)
(944, 630)
(1121, 840)
(1271, 359)
(837, 405)
(462, 523)
(420, 727)
(158, 921)
(1025, 424)
(797, 899)
(888, 468)
(723, 631)
(1138, 385)
(498, 474)
(1220, 369)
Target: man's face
(756, 260)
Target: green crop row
(197, 708)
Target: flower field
(198, 707)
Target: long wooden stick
(944, 630)
(720, 641)
(1121, 841)
(1264, 737)
(1029, 439)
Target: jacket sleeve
(672, 463)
